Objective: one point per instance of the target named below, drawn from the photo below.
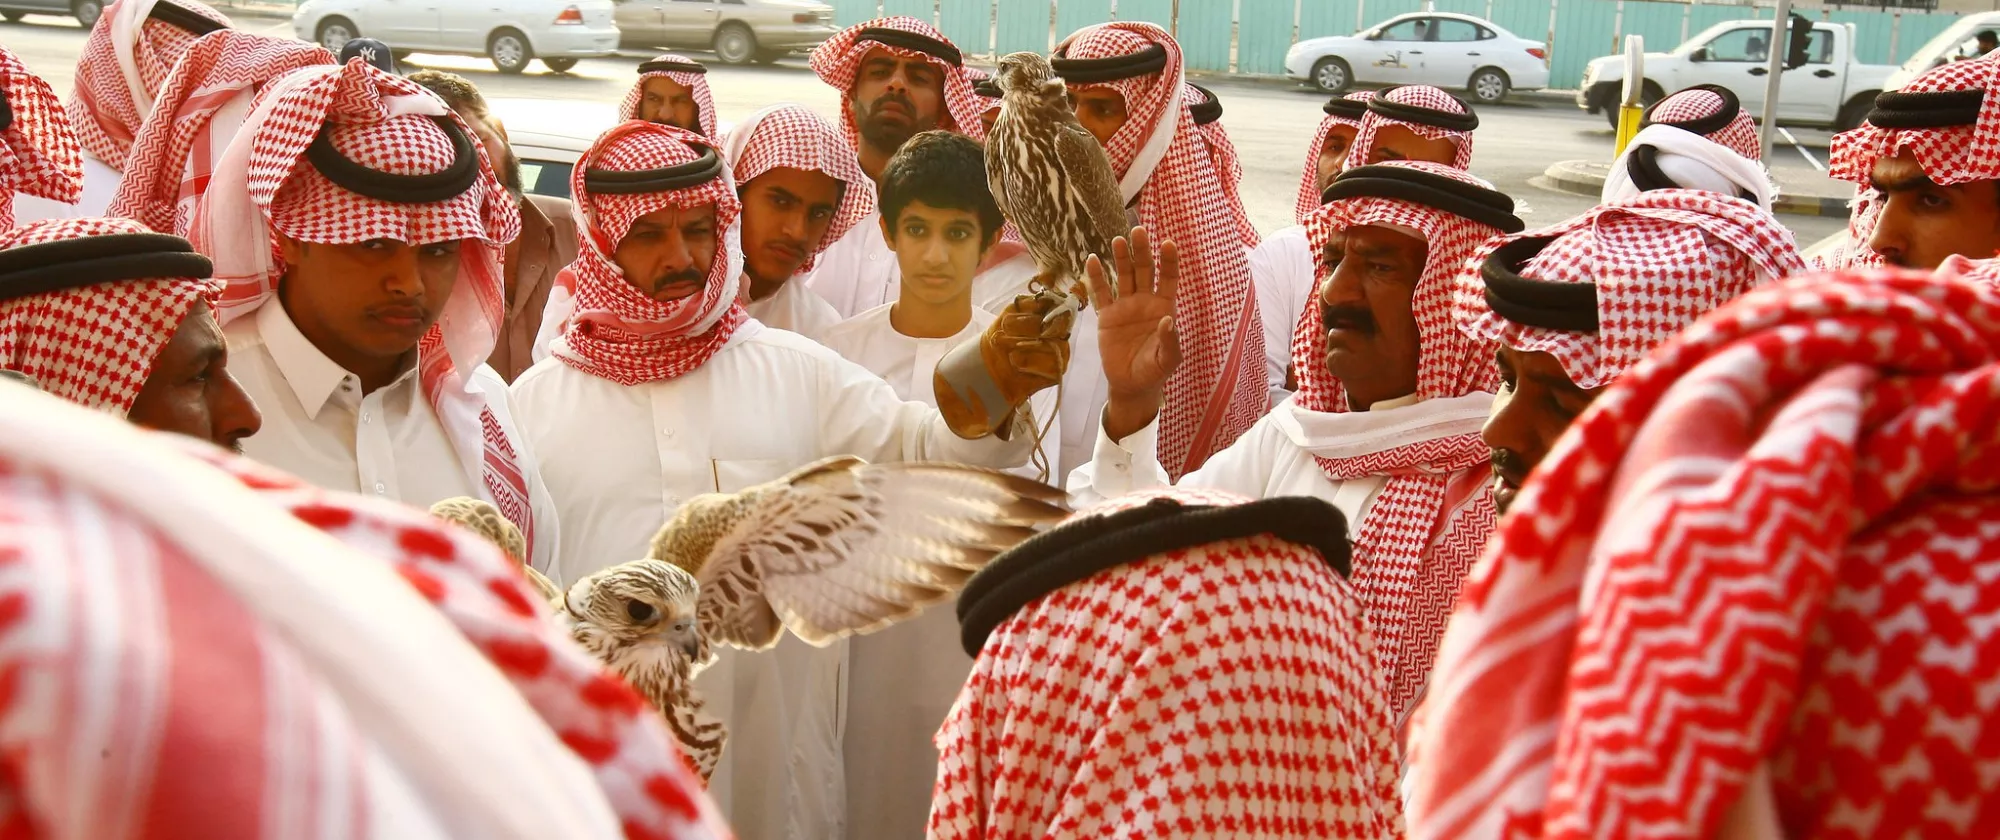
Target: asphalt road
(1269, 124)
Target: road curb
(1584, 177)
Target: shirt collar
(1403, 401)
(314, 378)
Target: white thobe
(100, 186)
(1282, 271)
(621, 459)
(795, 308)
(902, 680)
(858, 272)
(1278, 455)
(389, 443)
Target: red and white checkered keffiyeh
(38, 151)
(186, 659)
(1165, 168)
(1309, 191)
(263, 186)
(1423, 531)
(124, 63)
(696, 83)
(94, 346)
(196, 113)
(1659, 262)
(609, 327)
(1421, 96)
(1769, 544)
(1949, 155)
(1228, 167)
(1228, 689)
(838, 59)
(794, 137)
(1739, 136)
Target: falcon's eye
(639, 610)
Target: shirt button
(667, 432)
(381, 489)
(365, 416)
(673, 500)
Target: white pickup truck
(1831, 90)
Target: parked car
(551, 135)
(740, 31)
(1957, 42)
(85, 11)
(1446, 50)
(1831, 90)
(511, 32)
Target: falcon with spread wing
(835, 549)
(1050, 177)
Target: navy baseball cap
(372, 51)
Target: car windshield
(1960, 41)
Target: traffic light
(1799, 48)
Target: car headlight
(1589, 74)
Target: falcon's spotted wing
(844, 547)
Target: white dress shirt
(902, 680)
(320, 427)
(621, 459)
(1283, 271)
(795, 308)
(858, 272)
(1278, 455)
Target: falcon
(1050, 177)
(838, 548)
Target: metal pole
(1780, 43)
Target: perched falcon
(837, 548)
(1050, 177)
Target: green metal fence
(1252, 36)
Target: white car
(1957, 42)
(1428, 48)
(511, 32)
(550, 135)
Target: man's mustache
(896, 97)
(1355, 318)
(1510, 466)
(688, 275)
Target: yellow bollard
(1629, 117)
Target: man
(1415, 122)
(1988, 41)
(372, 51)
(660, 388)
(125, 62)
(548, 227)
(1283, 268)
(1920, 150)
(1246, 704)
(1748, 597)
(364, 341)
(44, 167)
(1126, 79)
(195, 116)
(898, 77)
(109, 316)
(1711, 111)
(801, 191)
(672, 90)
(1576, 305)
(180, 616)
(1385, 424)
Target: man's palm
(1136, 339)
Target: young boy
(940, 220)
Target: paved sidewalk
(1797, 195)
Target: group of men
(1347, 445)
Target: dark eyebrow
(1555, 382)
(1918, 181)
(1373, 251)
(786, 193)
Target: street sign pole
(1631, 107)
(1781, 39)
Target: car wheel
(1648, 95)
(510, 51)
(1488, 86)
(1855, 113)
(13, 17)
(560, 65)
(334, 33)
(86, 11)
(1332, 75)
(735, 44)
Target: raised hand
(1136, 339)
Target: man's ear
(291, 249)
(986, 244)
(888, 232)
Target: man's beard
(884, 137)
(510, 177)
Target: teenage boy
(940, 221)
